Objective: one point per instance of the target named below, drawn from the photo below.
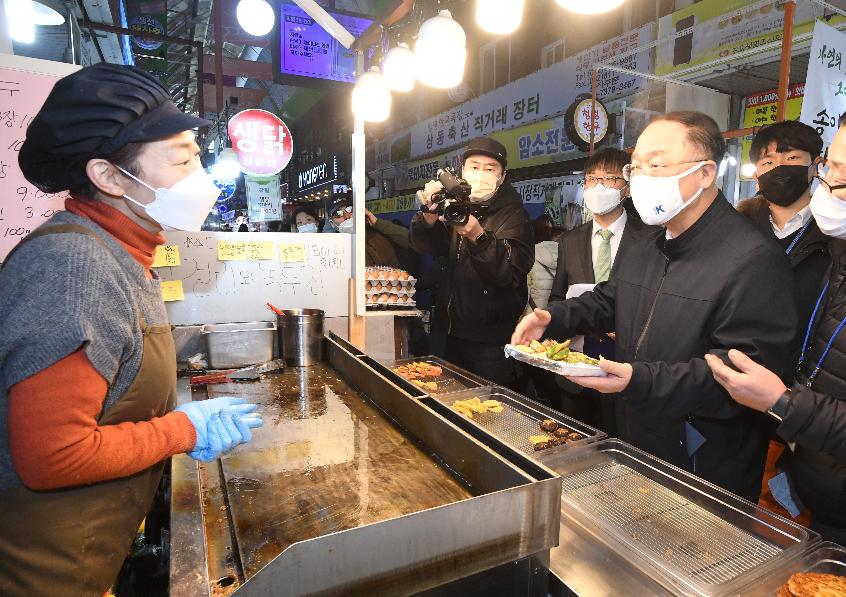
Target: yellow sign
(258, 250)
(393, 204)
(172, 291)
(231, 250)
(292, 252)
(760, 110)
(166, 256)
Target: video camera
(453, 201)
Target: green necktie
(602, 268)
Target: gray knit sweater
(64, 291)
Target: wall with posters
(721, 28)
(537, 96)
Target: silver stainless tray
(519, 419)
(690, 535)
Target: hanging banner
(264, 198)
(146, 17)
(825, 85)
(393, 204)
(759, 110)
(537, 96)
(262, 141)
(713, 29)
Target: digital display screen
(308, 50)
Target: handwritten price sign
(172, 291)
(166, 256)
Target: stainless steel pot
(300, 334)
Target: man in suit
(588, 255)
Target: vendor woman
(87, 360)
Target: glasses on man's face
(630, 171)
(831, 188)
(339, 213)
(607, 181)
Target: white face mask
(346, 226)
(185, 205)
(658, 199)
(483, 185)
(602, 200)
(829, 212)
(310, 227)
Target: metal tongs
(251, 373)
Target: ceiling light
(590, 7)
(227, 166)
(371, 98)
(440, 52)
(255, 17)
(44, 15)
(21, 18)
(398, 68)
(499, 16)
(748, 170)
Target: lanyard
(828, 346)
(798, 236)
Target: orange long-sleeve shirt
(54, 437)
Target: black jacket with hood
(816, 421)
(482, 290)
(719, 285)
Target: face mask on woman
(308, 227)
(658, 199)
(184, 206)
(829, 211)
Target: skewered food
(475, 405)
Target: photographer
(483, 284)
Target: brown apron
(73, 541)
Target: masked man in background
(483, 287)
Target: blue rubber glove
(201, 413)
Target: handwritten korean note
(166, 256)
(172, 291)
(292, 252)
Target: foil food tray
(558, 367)
(520, 419)
(691, 536)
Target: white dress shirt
(616, 228)
(793, 224)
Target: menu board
(308, 50)
(24, 85)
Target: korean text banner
(714, 29)
(825, 86)
(535, 97)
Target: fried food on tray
(814, 584)
(556, 351)
(548, 425)
(418, 369)
(475, 406)
(561, 433)
(429, 386)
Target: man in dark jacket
(786, 157)
(482, 290)
(706, 283)
(812, 412)
(590, 254)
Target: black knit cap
(92, 113)
(489, 147)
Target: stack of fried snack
(813, 584)
(477, 406)
(554, 434)
(389, 287)
(556, 351)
